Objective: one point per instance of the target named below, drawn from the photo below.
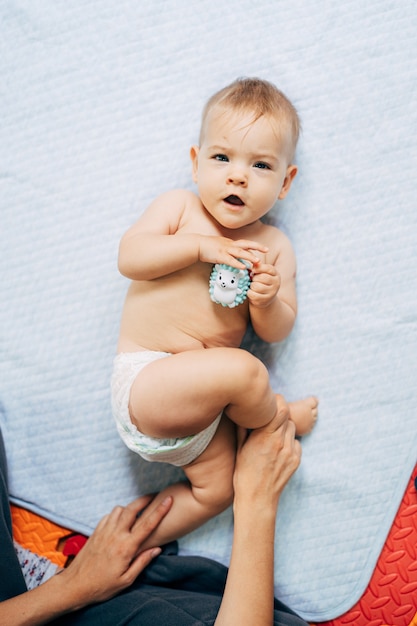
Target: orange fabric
(38, 534)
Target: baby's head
(244, 161)
(259, 98)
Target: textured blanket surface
(100, 103)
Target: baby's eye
(262, 166)
(220, 157)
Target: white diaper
(176, 451)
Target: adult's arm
(108, 563)
(265, 462)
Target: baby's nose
(238, 177)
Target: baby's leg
(209, 492)
(304, 414)
(210, 487)
(182, 394)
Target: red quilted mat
(391, 596)
(389, 600)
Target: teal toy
(228, 285)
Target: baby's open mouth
(235, 200)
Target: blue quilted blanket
(100, 102)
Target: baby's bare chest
(176, 311)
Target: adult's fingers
(150, 519)
(141, 561)
(125, 516)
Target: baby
(181, 383)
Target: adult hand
(266, 460)
(109, 562)
(112, 558)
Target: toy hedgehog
(228, 285)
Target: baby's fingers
(250, 248)
(244, 250)
(265, 268)
(251, 245)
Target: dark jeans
(12, 582)
(173, 590)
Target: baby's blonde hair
(259, 97)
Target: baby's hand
(229, 252)
(265, 284)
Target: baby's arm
(156, 245)
(148, 249)
(272, 295)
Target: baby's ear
(194, 150)
(289, 177)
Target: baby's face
(241, 167)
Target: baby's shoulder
(270, 234)
(179, 197)
(174, 205)
(278, 242)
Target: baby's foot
(304, 414)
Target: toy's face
(228, 285)
(226, 279)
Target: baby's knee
(250, 371)
(222, 502)
(224, 496)
(217, 498)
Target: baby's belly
(176, 313)
(176, 329)
(175, 339)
